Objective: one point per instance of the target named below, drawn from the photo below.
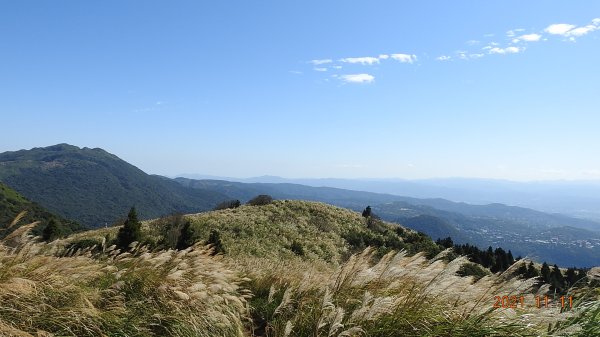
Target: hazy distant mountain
(554, 241)
(526, 232)
(95, 187)
(575, 198)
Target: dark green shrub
(214, 240)
(297, 248)
(52, 231)
(260, 200)
(229, 204)
(472, 269)
(83, 244)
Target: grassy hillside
(94, 187)
(12, 204)
(260, 286)
(526, 232)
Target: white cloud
(443, 58)
(337, 67)
(559, 29)
(472, 42)
(507, 50)
(321, 69)
(465, 55)
(358, 78)
(530, 37)
(367, 60)
(319, 62)
(404, 58)
(384, 56)
(573, 31)
(514, 32)
(580, 31)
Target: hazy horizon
(408, 90)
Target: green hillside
(97, 188)
(288, 268)
(93, 187)
(12, 204)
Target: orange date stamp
(514, 302)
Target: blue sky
(505, 89)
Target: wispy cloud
(580, 31)
(514, 32)
(367, 60)
(572, 31)
(404, 58)
(357, 78)
(515, 41)
(320, 62)
(529, 37)
(507, 50)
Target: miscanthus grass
(400, 295)
(48, 289)
(138, 293)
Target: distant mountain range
(96, 188)
(574, 198)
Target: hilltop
(285, 229)
(92, 186)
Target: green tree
(214, 239)
(367, 212)
(556, 278)
(571, 276)
(532, 271)
(131, 230)
(187, 237)
(545, 272)
(51, 231)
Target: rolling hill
(541, 236)
(94, 187)
(288, 268)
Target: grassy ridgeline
(262, 285)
